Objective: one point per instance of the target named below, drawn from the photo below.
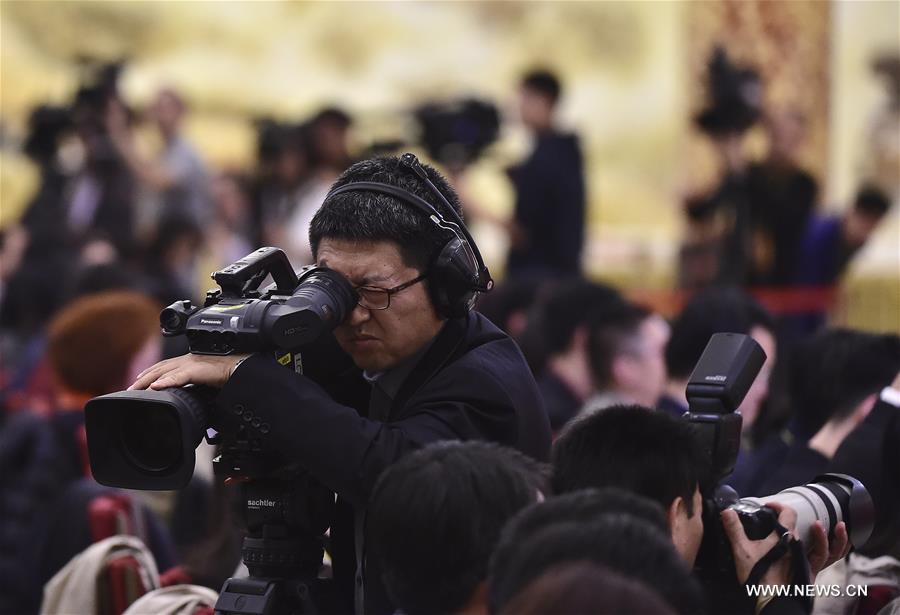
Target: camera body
(238, 318)
(146, 439)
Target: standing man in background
(547, 232)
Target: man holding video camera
(427, 368)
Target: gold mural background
(632, 70)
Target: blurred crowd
(113, 234)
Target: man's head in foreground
(386, 248)
(435, 516)
(621, 531)
(643, 451)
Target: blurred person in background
(626, 349)
(781, 196)
(719, 245)
(284, 166)
(171, 260)
(833, 381)
(871, 453)
(104, 192)
(829, 242)
(228, 233)
(555, 342)
(330, 156)
(49, 127)
(826, 248)
(39, 289)
(882, 166)
(459, 492)
(177, 177)
(548, 221)
(96, 345)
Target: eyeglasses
(374, 298)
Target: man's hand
(212, 371)
(748, 552)
(821, 554)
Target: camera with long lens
(147, 439)
(720, 381)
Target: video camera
(717, 386)
(455, 133)
(146, 439)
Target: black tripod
(279, 581)
(287, 513)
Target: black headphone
(458, 273)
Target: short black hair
(630, 447)
(334, 115)
(871, 201)
(581, 506)
(565, 307)
(712, 311)
(625, 543)
(435, 516)
(832, 372)
(371, 216)
(608, 337)
(544, 82)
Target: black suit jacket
(472, 384)
(550, 207)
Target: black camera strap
(800, 574)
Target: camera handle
(248, 273)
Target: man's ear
(677, 514)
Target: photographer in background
(426, 368)
(834, 380)
(659, 457)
